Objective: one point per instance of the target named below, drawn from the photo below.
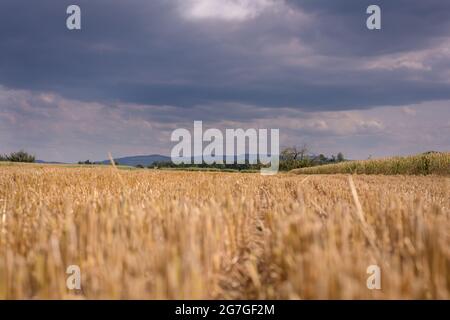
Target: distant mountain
(151, 159)
(136, 160)
(48, 162)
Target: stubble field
(149, 234)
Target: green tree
(294, 153)
(20, 156)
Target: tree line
(290, 158)
(19, 156)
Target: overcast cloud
(138, 69)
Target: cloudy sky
(139, 69)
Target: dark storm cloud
(147, 52)
(406, 25)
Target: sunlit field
(149, 234)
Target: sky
(138, 69)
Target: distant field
(62, 165)
(151, 234)
(425, 164)
(206, 169)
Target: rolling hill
(136, 160)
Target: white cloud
(418, 60)
(409, 111)
(228, 10)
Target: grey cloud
(145, 52)
(55, 128)
(339, 26)
(139, 69)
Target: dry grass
(162, 234)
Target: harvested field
(149, 234)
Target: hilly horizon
(144, 160)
